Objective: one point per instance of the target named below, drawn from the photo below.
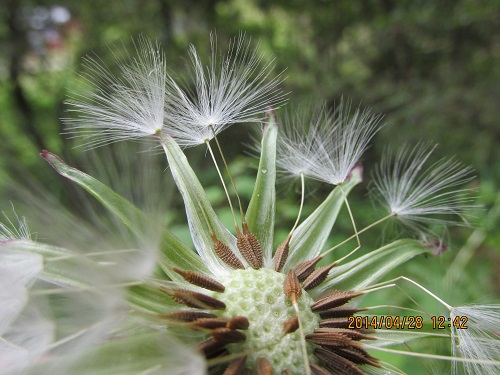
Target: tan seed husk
(317, 277)
(281, 255)
(194, 299)
(200, 280)
(209, 323)
(246, 250)
(250, 247)
(353, 334)
(335, 323)
(291, 325)
(334, 298)
(238, 322)
(291, 286)
(337, 363)
(235, 367)
(186, 316)
(357, 355)
(264, 367)
(210, 347)
(331, 339)
(227, 335)
(304, 269)
(318, 370)
(340, 312)
(225, 254)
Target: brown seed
(291, 286)
(223, 352)
(304, 269)
(227, 335)
(210, 347)
(235, 367)
(286, 372)
(331, 339)
(200, 280)
(186, 316)
(317, 277)
(238, 322)
(250, 247)
(264, 367)
(194, 299)
(246, 250)
(337, 363)
(334, 298)
(357, 355)
(335, 323)
(291, 325)
(340, 312)
(225, 254)
(353, 334)
(318, 370)
(281, 255)
(209, 323)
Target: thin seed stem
(354, 236)
(302, 339)
(224, 186)
(302, 187)
(433, 356)
(394, 307)
(414, 332)
(418, 359)
(229, 174)
(347, 205)
(393, 368)
(449, 307)
(366, 291)
(406, 294)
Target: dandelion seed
(416, 193)
(234, 90)
(479, 341)
(17, 230)
(325, 145)
(117, 108)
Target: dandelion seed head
(479, 340)
(115, 108)
(14, 230)
(237, 89)
(416, 192)
(258, 295)
(325, 145)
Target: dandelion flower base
(258, 295)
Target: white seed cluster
(258, 295)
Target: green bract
(255, 299)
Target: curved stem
(433, 356)
(302, 185)
(224, 186)
(230, 176)
(354, 236)
(302, 340)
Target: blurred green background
(431, 67)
